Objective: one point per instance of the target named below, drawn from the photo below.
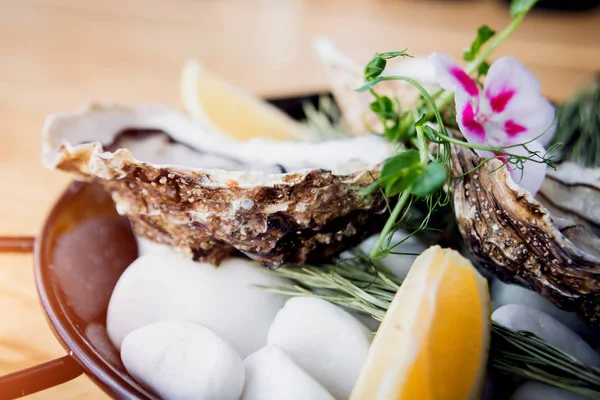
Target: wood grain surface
(58, 54)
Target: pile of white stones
(188, 330)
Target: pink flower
(508, 110)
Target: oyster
(511, 233)
(504, 227)
(209, 196)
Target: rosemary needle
(578, 127)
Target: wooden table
(57, 54)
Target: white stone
(167, 286)
(324, 340)
(272, 375)
(539, 391)
(183, 360)
(523, 318)
(503, 293)
(146, 246)
(398, 264)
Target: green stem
(444, 98)
(514, 24)
(424, 159)
(422, 144)
(375, 253)
(470, 145)
(435, 109)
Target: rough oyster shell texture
(228, 196)
(512, 234)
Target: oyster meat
(207, 195)
(511, 233)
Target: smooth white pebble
(272, 375)
(324, 340)
(167, 286)
(183, 360)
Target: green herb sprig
(578, 127)
(323, 119)
(415, 173)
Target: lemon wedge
(433, 342)
(228, 110)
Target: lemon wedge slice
(433, 342)
(228, 110)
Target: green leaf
(384, 107)
(377, 65)
(369, 84)
(400, 185)
(484, 33)
(400, 172)
(483, 68)
(393, 166)
(519, 8)
(393, 54)
(421, 120)
(430, 181)
(387, 111)
(430, 134)
(392, 132)
(374, 68)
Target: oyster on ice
(209, 196)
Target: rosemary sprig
(360, 285)
(323, 121)
(579, 127)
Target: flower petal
(538, 118)
(471, 129)
(450, 76)
(532, 175)
(513, 95)
(512, 128)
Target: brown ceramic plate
(80, 254)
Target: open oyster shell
(511, 233)
(209, 196)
